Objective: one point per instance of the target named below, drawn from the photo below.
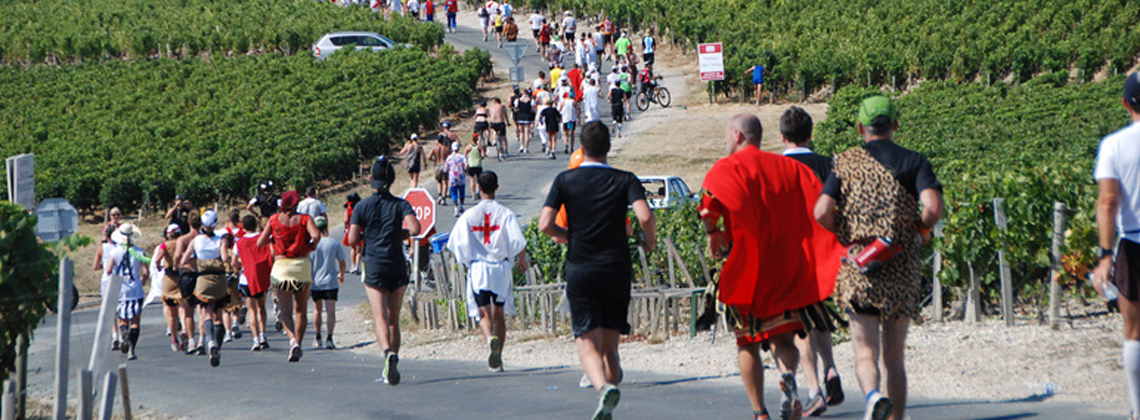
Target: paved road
(342, 384)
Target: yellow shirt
(555, 74)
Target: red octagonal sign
(424, 206)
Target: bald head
(748, 126)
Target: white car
(665, 191)
(334, 41)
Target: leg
(187, 311)
(894, 361)
(1130, 310)
(330, 315)
(285, 305)
(752, 373)
(255, 318)
(301, 312)
(610, 357)
(590, 355)
(486, 324)
(807, 358)
(865, 341)
(394, 302)
(317, 319)
(499, 326)
(378, 301)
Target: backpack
(483, 12)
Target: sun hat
(321, 222)
(289, 201)
(1132, 89)
(173, 228)
(209, 218)
(874, 107)
(127, 232)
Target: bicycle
(656, 94)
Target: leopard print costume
(873, 204)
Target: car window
(681, 188)
(654, 188)
(341, 41)
(368, 41)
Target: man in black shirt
(872, 195)
(795, 130)
(180, 213)
(599, 269)
(382, 222)
(266, 203)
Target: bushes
(117, 132)
(26, 284)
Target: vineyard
(123, 132)
(1032, 145)
(807, 44)
(68, 31)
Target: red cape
(781, 258)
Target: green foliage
(113, 132)
(26, 278)
(808, 43)
(105, 29)
(543, 252)
(1032, 145)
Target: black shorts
(1127, 264)
(618, 112)
(607, 39)
(500, 128)
(415, 168)
(215, 305)
(570, 35)
(628, 94)
(187, 280)
(487, 297)
(474, 170)
(535, 32)
(647, 58)
(499, 29)
(390, 277)
(599, 297)
(481, 126)
(169, 302)
(244, 290)
(325, 294)
(440, 174)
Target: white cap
(209, 218)
(415, 136)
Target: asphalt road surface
(343, 384)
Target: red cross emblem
(487, 228)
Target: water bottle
(1110, 292)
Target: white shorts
(484, 22)
(544, 136)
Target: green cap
(321, 222)
(876, 106)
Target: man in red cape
(780, 260)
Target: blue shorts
(569, 125)
(458, 192)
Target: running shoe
(834, 389)
(189, 346)
(264, 344)
(131, 354)
(295, 353)
(329, 344)
(815, 407)
(495, 361)
(229, 337)
(201, 350)
(790, 406)
(585, 383)
(125, 346)
(391, 374)
(183, 340)
(114, 345)
(317, 342)
(608, 400)
(878, 406)
(235, 331)
(278, 326)
(215, 356)
(256, 346)
(174, 345)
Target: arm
(170, 212)
(264, 238)
(1107, 203)
(647, 222)
(354, 235)
(932, 207)
(313, 231)
(98, 263)
(187, 255)
(825, 211)
(412, 225)
(547, 226)
(108, 269)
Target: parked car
(331, 42)
(665, 191)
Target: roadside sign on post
(22, 180)
(518, 74)
(56, 219)
(424, 206)
(515, 50)
(710, 57)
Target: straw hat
(127, 232)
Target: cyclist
(481, 124)
(497, 116)
(648, 80)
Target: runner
(438, 156)
(456, 168)
(617, 107)
(116, 215)
(1118, 223)
(382, 222)
(544, 35)
(171, 296)
(536, 23)
(413, 155)
(128, 261)
(187, 281)
(207, 255)
(648, 47)
(452, 7)
(757, 73)
(594, 59)
(625, 82)
(569, 26)
(497, 116)
(590, 97)
(354, 250)
(311, 206)
(498, 21)
(524, 119)
(328, 274)
(552, 121)
(484, 20)
(881, 175)
(569, 121)
(475, 153)
(481, 123)
(230, 313)
(622, 47)
(266, 202)
(414, 9)
(608, 31)
(779, 261)
(291, 235)
(598, 264)
(795, 130)
(429, 11)
(255, 263)
(101, 263)
(486, 239)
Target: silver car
(362, 40)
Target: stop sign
(424, 206)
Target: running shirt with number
(131, 288)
